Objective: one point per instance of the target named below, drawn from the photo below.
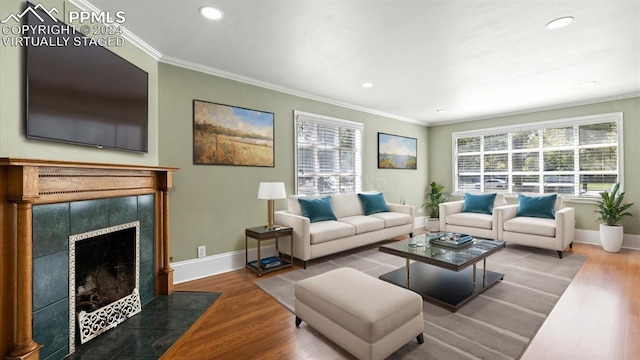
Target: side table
(261, 233)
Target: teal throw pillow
(373, 203)
(537, 206)
(317, 209)
(479, 203)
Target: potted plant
(611, 211)
(436, 197)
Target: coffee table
(444, 276)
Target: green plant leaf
(611, 208)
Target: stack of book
(453, 240)
(270, 262)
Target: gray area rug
(498, 324)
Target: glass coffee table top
(454, 259)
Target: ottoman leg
(420, 339)
(298, 321)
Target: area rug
(498, 324)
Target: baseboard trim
(195, 269)
(630, 241)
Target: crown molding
(537, 109)
(128, 35)
(247, 80)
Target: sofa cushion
(373, 203)
(537, 206)
(392, 219)
(324, 231)
(346, 204)
(293, 205)
(468, 219)
(363, 223)
(479, 203)
(317, 209)
(531, 225)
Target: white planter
(611, 237)
(432, 224)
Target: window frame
(510, 130)
(358, 153)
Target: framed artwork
(231, 135)
(397, 152)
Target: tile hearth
(151, 333)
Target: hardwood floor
(598, 317)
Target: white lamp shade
(271, 190)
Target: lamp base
(270, 225)
(273, 227)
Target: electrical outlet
(420, 210)
(202, 251)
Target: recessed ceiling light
(588, 83)
(211, 13)
(441, 111)
(559, 22)
(367, 85)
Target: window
(328, 154)
(573, 157)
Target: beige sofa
(453, 219)
(553, 234)
(351, 229)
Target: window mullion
(541, 161)
(576, 159)
(482, 162)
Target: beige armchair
(553, 234)
(453, 219)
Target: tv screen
(80, 92)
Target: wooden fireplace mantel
(28, 182)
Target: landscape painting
(230, 135)
(397, 152)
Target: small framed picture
(397, 152)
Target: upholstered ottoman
(366, 316)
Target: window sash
(328, 156)
(575, 157)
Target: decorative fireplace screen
(104, 273)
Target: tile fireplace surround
(29, 183)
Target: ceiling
(475, 58)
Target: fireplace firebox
(104, 273)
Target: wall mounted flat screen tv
(82, 93)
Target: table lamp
(270, 191)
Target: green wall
(13, 142)
(441, 168)
(211, 204)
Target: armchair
(454, 219)
(553, 234)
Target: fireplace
(40, 201)
(104, 278)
